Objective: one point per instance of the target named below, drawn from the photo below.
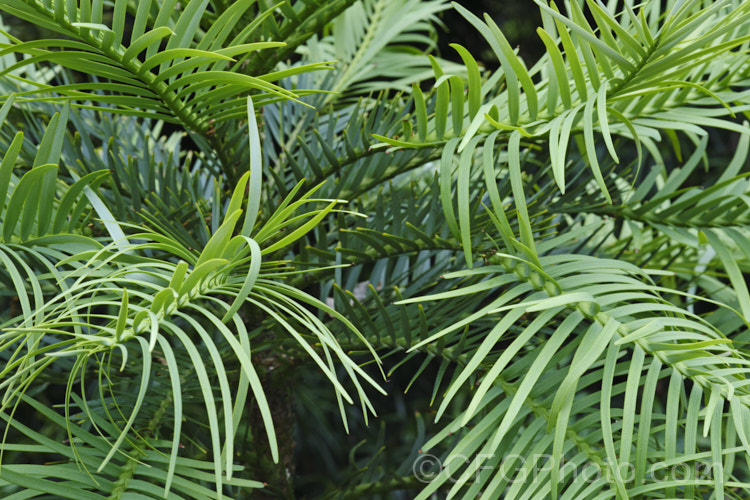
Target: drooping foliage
(235, 233)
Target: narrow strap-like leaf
(252, 275)
(145, 41)
(256, 171)
(421, 109)
(52, 142)
(446, 186)
(475, 85)
(442, 100)
(6, 169)
(561, 72)
(143, 389)
(519, 197)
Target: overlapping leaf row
(554, 294)
(170, 305)
(656, 47)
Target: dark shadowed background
(518, 20)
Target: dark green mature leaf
(210, 249)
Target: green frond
(620, 102)
(227, 224)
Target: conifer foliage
(235, 233)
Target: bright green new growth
(225, 222)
